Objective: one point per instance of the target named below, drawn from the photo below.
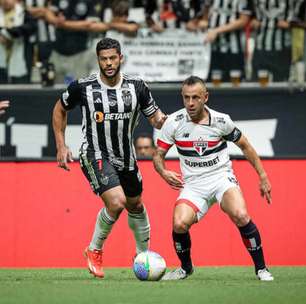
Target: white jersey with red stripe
(202, 148)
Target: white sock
(104, 225)
(139, 223)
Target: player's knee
(240, 217)
(180, 226)
(134, 205)
(117, 206)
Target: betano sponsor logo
(100, 116)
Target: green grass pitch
(207, 285)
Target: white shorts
(202, 193)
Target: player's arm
(59, 122)
(252, 156)
(172, 178)
(69, 99)
(157, 119)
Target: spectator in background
(298, 26)
(44, 38)
(16, 26)
(119, 21)
(144, 146)
(4, 104)
(226, 20)
(72, 46)
(173, 13)
(273, 37)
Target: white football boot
(177, 274)
(264, 275)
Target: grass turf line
(207, 285)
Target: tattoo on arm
(159, 160)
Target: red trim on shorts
(189, 144)
(163, 144)
(189, 203)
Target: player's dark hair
(191, 80)
(108, 43)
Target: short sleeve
(166, 136)
(230, 131)
(72, 96)
(147, 104)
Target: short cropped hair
(191, 80)
(108, 43)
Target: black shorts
(103, 176)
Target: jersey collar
(104, 85)
(202, 124)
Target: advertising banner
(169, 56)
(272, 119)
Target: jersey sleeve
(146, 101)
(230, 131)
(72, 96)
(166, 136)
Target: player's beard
(112, 76)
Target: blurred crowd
(51, 40)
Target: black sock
(252, 241)
(182, 245)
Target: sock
(140, 225)
(182, 245)
(252, 241)
(104, 225)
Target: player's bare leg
(234, 205)
(114, 200)
(184, 217)
(138, 222)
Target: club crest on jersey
(200, 146)
(127, 97)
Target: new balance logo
(98, 100)
(185, 135)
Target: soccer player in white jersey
(200, 135)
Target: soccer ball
(149, 266)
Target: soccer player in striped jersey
(200, 135)
(110, 103)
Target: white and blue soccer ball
(149, 266)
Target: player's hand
(174, 179)
(64, 156)
(265, 189)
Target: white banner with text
(169, 56)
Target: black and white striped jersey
(269, 12)
(222, 12)
(45, 32)
(110, 115)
